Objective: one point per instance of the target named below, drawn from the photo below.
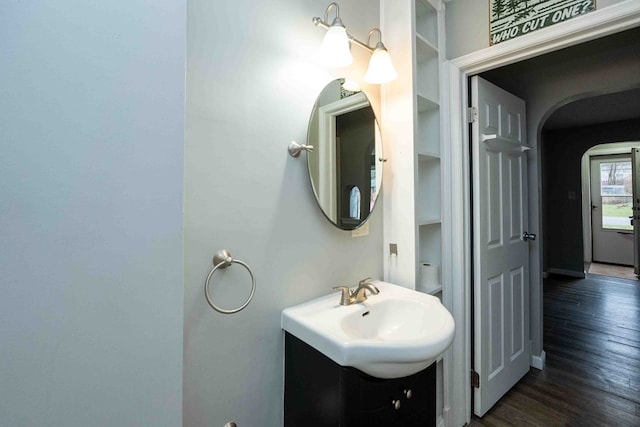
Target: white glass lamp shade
(380, 67)
(335, 51)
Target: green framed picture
(509, 19)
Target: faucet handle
(345, 298)
(365, 281)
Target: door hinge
(475, 379)
(472, 114)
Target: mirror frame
(324, 190)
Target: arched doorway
(569, 137)
(547, 83)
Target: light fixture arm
(379, 44)
(318, 22)
(336, 49)
(337, 8)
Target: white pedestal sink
(394, 334)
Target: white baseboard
(539, 361)
(446, 417)
(571, 273)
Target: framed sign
(513, 18)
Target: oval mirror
(345, 166)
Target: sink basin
(393, 334)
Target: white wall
(251, 86)
(91, 167)
(468, 25)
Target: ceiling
(588, 111)
(595, 110)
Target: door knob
(528, 236)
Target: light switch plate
(363, 230)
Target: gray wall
(251, 86)
(91, 167)
(467, 25)
(561, 162)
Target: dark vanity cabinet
(321, 393)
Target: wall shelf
(426, 21)
(430, 243)
(428, 155)
(426, 103)
(427, 141)
(428, 83)
(429, 221)
(425, 49)
(434, 291)
(428, 197)
(413, 120)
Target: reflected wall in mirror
(345, 166)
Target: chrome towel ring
(223, 259)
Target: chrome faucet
(359, 294)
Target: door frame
(606, 148)
(456, 186)
(327, 152)
(600, 232)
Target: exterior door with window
(611, 209)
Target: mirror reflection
(345, 166)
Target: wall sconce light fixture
(335, 49)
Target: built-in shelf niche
(418, 28)
(427, 137)
(430, 245)
(418, 149)
(428, 128)
(428, 57)
(427, 78)
(428, 196)
(427, 21)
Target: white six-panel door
(501, 255)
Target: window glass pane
(615, 189)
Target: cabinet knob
(408, 393)
(396, 404)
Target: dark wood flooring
(592, 374)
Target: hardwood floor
(592, 374)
